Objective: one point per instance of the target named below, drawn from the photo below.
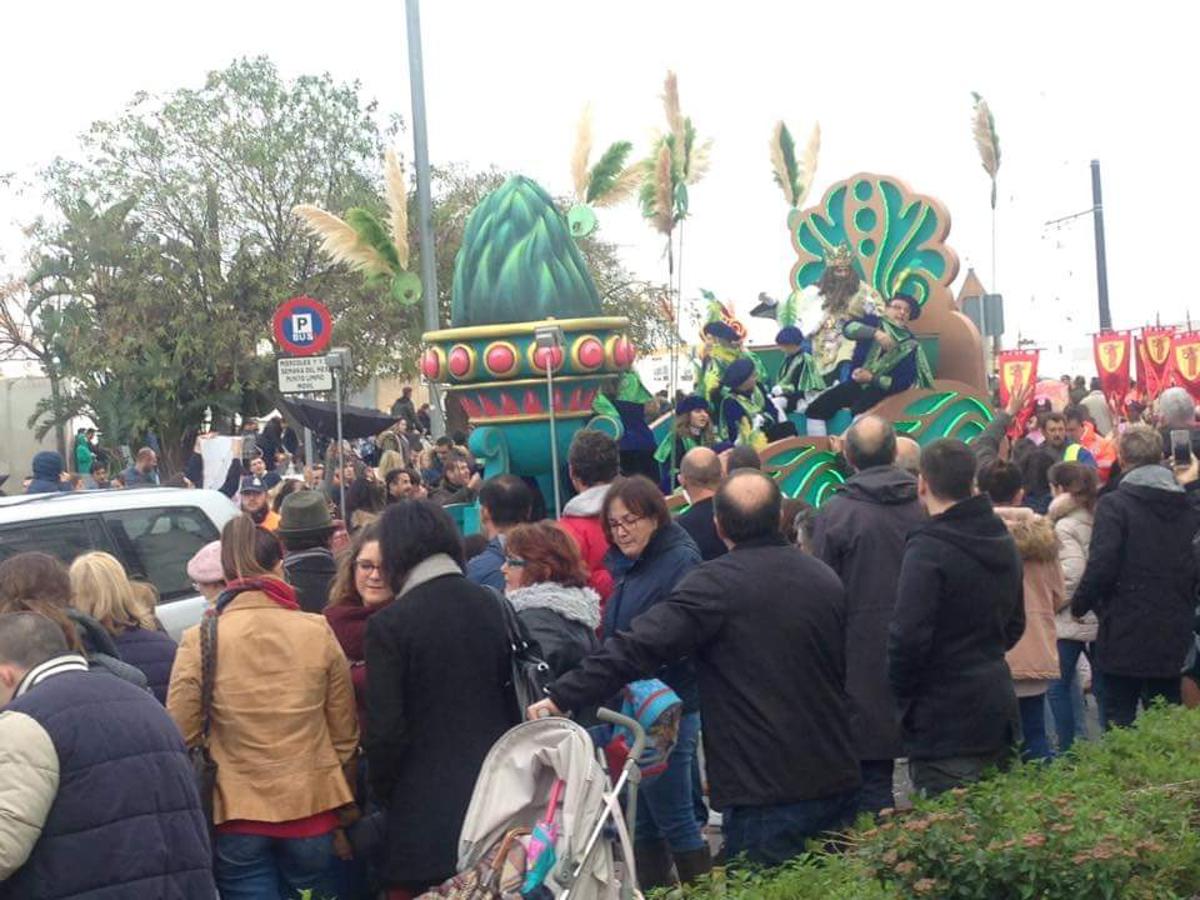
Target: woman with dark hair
(440, 694)
(1035, 476)
(38, 582)
(284, 733)
(364, 503)
(357, 593)
(650, 554)
(547, 583)
(1075, 487)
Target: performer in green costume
(887, 360)
(692, 428)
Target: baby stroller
(542, 785)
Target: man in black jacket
(305, 528)
(959, 607)
(765, 625)
(1140, 580)
(700, 475)
(860, 534)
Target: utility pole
(1101, 262)
(416, 77)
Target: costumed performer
(798, 380)
(692, 428)
(747, 415)
(637, 444)
(887, 359)
(825, 308)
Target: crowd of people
(951, 606)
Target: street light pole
(1101, 261)
(416, 77)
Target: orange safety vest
(1103, 449)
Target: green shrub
(1115, 818)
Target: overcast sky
(890, 84)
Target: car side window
(158, 542)
(65, 538)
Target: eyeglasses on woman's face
(368, 567)
(624, 523)
(514, 562)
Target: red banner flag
(1112, 352)
(1155, 359)
(1017, 368)
(1185, 351)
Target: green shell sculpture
(944, 414)
(897, 236)
(518, 262)
(803, 469)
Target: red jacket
(581, 519)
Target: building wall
(18, 398)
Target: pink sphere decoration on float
(542, 355)
(591, 353)
(431, 364)
(500, 358)
(623, 353)
(460, 362)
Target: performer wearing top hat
(692, 428)
(887, 359)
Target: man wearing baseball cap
(256, 504)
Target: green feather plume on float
(365, 244)
(607, 183)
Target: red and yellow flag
(1112, 352)
(1155, 359)
(1017, 368)
(1185, 353)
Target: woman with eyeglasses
(650, 554)
(357, 593)
(546, 581)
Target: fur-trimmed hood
(1065, 506)
(577, 604)
(1033, 534)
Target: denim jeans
(1121, 696)
(666, 806)
(1066, 696)
(771, 835)
(1034, 744)
(251, 867)
(877, 778)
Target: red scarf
(279, 591)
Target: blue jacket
(646, 581)
(903, 375)
(125, 820)
(484, 569)
(47, 467)
(637, 435)
(153, 653)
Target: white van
(152, 531)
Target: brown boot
(692, 864)
(654, 868)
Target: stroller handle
(639, 733)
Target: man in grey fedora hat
(305, 528)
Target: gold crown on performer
(841, 255)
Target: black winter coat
(860, 533)
(959, 608)
(439, 698)
(639, 584)
(153, 653)
(311, 573)
(562, 620)
(765, 625)
(1141, 579)
(702, 526)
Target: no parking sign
(303, 326)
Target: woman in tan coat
(1034, 660)
(284, 730)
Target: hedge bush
(1114, 818)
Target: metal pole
(416, 77)
(337, 391)
(1101, 262)
(553, 431)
